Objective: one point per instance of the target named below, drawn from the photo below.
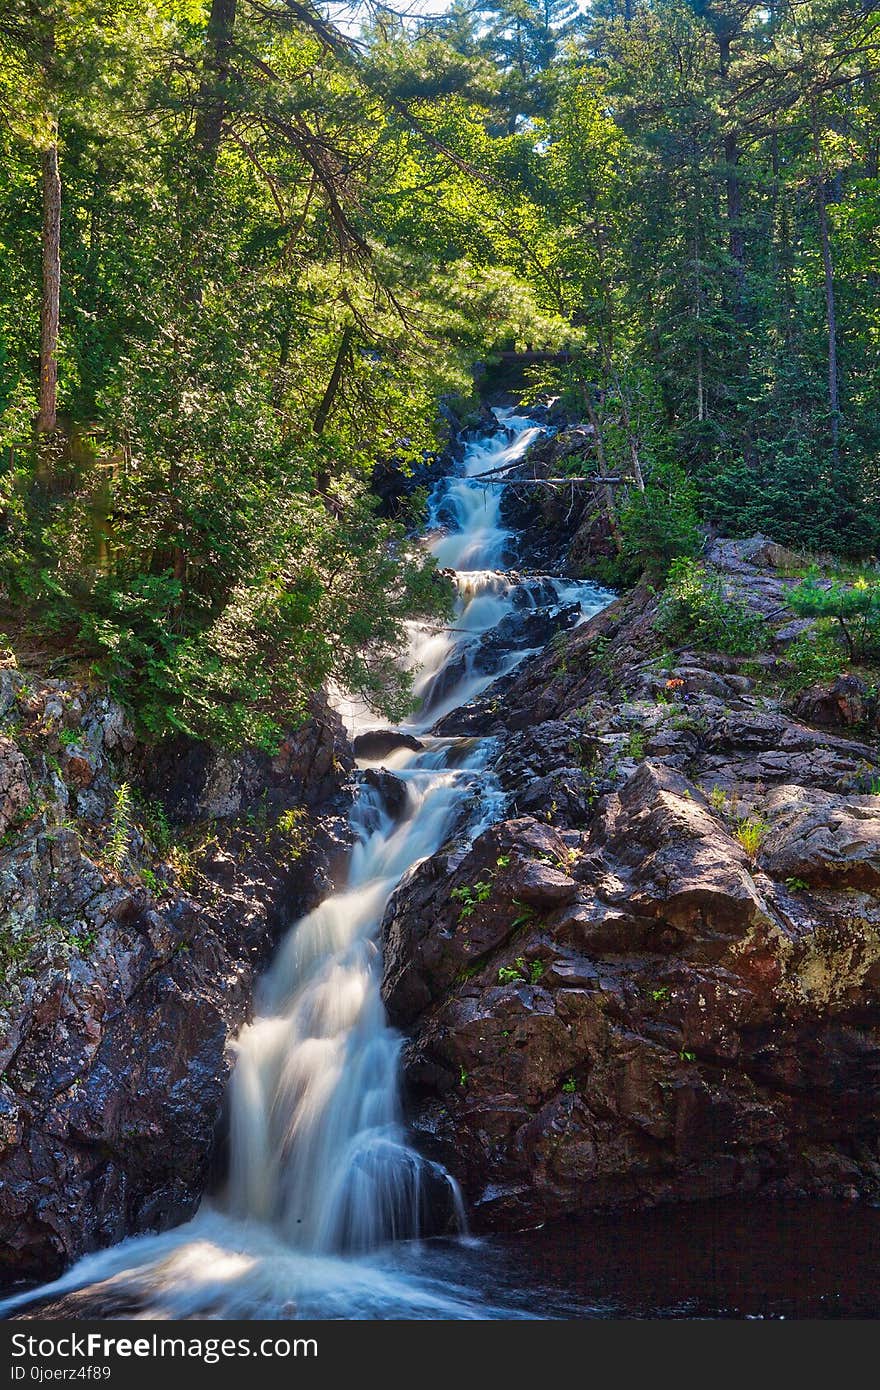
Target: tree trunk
(735, 239)
(828, 267)
(610, 505)
(214, 87)
(47, 418)
(322, 414)
(698, 305)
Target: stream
(326, 1205)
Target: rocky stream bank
(658, 978)
(655, 979)
(140, 892)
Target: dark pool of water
(743, 1259)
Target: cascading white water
(320, 1164)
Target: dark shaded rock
(390, 788)
(790, 632)
(560, 530)
(378, 743)
(837, 704)
(197, 782)
(14, 788)
(119, 1002)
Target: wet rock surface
(658, 978)
(378, 743)
(139, 893)
(560, 528)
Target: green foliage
(855, 608)
(118, 845)
(718, 800)
(268, 284)
(470, 895)
(526, 914)
(814, 656)
(660, 524)
(153, 818)
(751, 832)
(293, 826)
(509, 975)
(635, 744)
(695, 609)
(532, 971)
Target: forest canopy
(248, 248)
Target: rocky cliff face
(140, 890)
(660, 978)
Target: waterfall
(321, 1171)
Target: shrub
(814, 656)
(660, 524)
(854, 607)
(694, 608)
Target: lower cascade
(325, 1196)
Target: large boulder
(641, 1013)
(822, 839)
(841, 703)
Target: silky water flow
(322, 1179)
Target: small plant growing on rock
(120, 827)
(153, 818)
(293, 826)
(718, 800)
(470, 895)
(635, 745)
(513, 974)
(660, 995)
(508, 975)
(796, 885)
(526, 915)
(751, 832)
(68, 737)
(569, 1086)
(686, 1056)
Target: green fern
(120, 827)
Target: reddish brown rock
(837, 704)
